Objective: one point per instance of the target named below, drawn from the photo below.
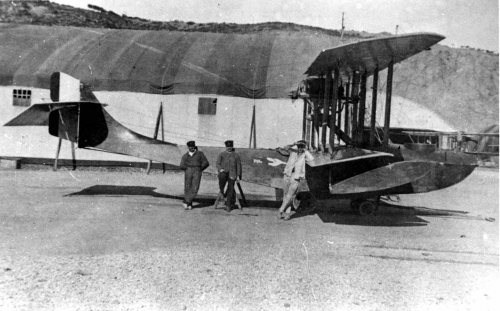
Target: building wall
(278, 122)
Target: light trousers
(290, 191)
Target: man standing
(294, 173)
(193, 163)
(228, 168)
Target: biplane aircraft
(351, 165)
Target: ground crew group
(229, 170)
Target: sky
(471, 23)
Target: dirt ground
(103, 240)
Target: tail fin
(91, 127)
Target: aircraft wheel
(366, 208)
(355, 205)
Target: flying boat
(353, 160)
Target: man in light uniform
(294, 173)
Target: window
(207, 105)
(21, 97)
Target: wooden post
(362, 108)
(157, 126)
(374, 108)
(57, 154)
(253, 131)
(326, 108)
(387, 119)
(252, 122)
(333, 107)
(162, 134)
(73, 155)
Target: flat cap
(301, 143)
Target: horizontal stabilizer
(35, 115)
(416, 176)
(38, 114)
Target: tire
(367, 208)
(355, 205)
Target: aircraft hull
(404, 177)
(350, 172)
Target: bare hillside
(48, 13)
(459, 84)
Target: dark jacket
(230, 162)
(198, 159)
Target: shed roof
(258, 65)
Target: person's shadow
(122, 191)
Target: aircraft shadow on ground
(421, 211)
(383, 220)
(433, 212)
(200, 201)
(389, 214)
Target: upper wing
(368, 55)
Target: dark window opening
(21, 97)
(207, 105)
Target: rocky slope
(458, 84)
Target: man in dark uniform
(228, 168)
(193, 163)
